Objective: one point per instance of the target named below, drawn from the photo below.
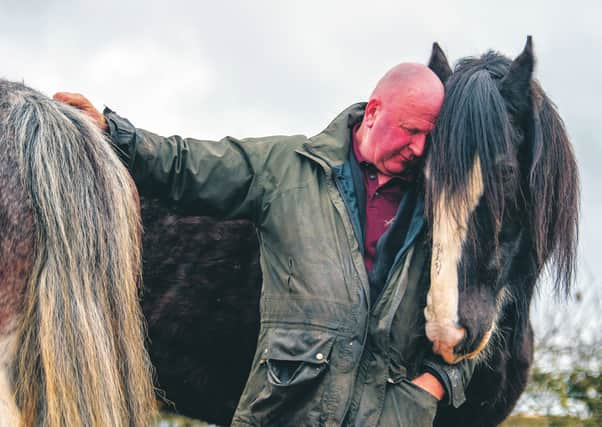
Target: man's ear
(372, 109)
(438, 63)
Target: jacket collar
(333, 143)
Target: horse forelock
(475, 121)
(473, 124)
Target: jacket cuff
(455, 378)
(122, 134)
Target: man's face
(397, 129)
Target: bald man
(344, 253)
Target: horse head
(501, 200)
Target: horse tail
(81, 358)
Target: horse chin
(450, 357)
(481, 345)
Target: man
(344, 253)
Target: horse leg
(9, 413)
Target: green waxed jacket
(324, 356)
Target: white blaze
(449, 233)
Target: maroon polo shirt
(381, 205)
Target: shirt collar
(356, 151)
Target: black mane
(481, 117)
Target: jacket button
(319, 356)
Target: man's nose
(417, 145)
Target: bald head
(408, 79)
(400, 113)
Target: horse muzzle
(450, 341)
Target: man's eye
(411, 131)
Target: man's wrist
(431, 384)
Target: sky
(250, 68)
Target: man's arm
(216, 178)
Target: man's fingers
(82, 103)
(60, 96)
(74, 99)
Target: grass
(537, 421)
(516, 421)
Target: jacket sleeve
(216, 178)
(455, 378)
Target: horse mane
(81, 357)
(474, 122)
(554, 192)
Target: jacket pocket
(295, 356)
(407, 405)
(293, 364)
(421, 396)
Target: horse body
(16, 247)
(9, 413)
(202, 283)
(71, 336)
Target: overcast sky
(249, 68)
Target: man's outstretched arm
(217, 178)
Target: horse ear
(439, 64)
(516, 85)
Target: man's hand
(81, 102)
(430, 384)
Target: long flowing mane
(527, 164)
(80, 356)
(554, 190)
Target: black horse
(502, 197)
